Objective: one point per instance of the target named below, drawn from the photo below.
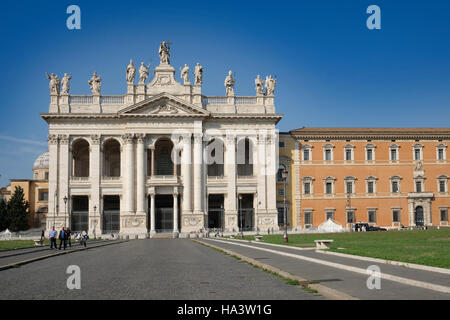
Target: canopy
(330, 226)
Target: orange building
(386, 177)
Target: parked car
(374, 228)
(360, 226)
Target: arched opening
(80, 158)
(111, 158)
(418, 216)
(163, 157)
(245, 157)
(215, 158)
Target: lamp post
(95, 222)
(284, 175)
(65, 214)
(240, 211)
(55, 198)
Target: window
(370, 187)
(372, 216)
(36, 176)
(308, 217)
(281, 192)
(441, 186)
(444, 215)
(280, 216)
(348, 155)
(416, 154)
(43, 196)
(307, 188)
(417, 151)
(395, 215)
(395, 184)
(418, 186)
(306, 155)
(440, 154)
(329, 215)
(393, 154)
(442, 183)
(281, 144)
(329, 188)
(349, 186)
(307, 152)
(328, 154)
(46, 175)
(369, 154)
(395, 187)
(350, 216)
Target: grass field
(17, 244)
(426, 247)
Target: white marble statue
(66, 83)
(185, 74)
(270, 85)
(198, 74)
(164, 53)
(54, 83)
(143, 73)
(131, 73)
(95, 83)
(259, 83)
(229, 84)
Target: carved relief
(163, 80)
(140, 137)
(128, 138)
(52, 139)
(192, 221)
(95, 139)
(64, 139)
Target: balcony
(163, 180)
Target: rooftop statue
(198, 74)
(95, 83)
(66, 83)
(164, 53)
(143, 73)
(229, 84)
(131, 73)
(54, 83)
(259, 83)
(270, 85)
(185, 74)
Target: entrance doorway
(418, 216)
(163, 213)
(216, 213)
(246, 212)
(111, 214)
(80, 214)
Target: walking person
(84, 238)
(52, 235)
(69, 236)
(62, 238)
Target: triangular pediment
(164, 104)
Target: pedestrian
(52, 235)
(62, 238)
(69, 236)
(84, 238)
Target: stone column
(128, 185)
(52, 181)
(271, 171)
(175, 213)
(152, 212)
(198, 159)
(260, 168)
(64, 167)
(152, 150)
(94, 172)
(140, 175)
(186, 171)
(231, 214)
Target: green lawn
(16, 244)
(426, 247)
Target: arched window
(80, 158)
(245, 157)
(111, 158)
(215, 158)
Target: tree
(17, 209)
(3, 215)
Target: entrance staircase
(162, 236)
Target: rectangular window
(395, 187)
(393, 154)
(329, 188)
(330, 215)
(348, 155)
(349, 187)
(280, 216)
(44, 196)
(327, 154)
(46, 176)
(308, 217)
(441, 186)
(440, 154)
(372, 216)
(306, 155)
(418, 186)
(444, 215)
(416, 154)
(370, 187)
(369, 154)
(281, 192)
(281, 144)
(307, 187)
(350, 217)
(396, 216)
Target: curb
(392, 262)
(24, 262)
(321, 289)
(269, 244)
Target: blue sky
(331, 70)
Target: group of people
(65, 236)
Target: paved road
(351, 283)
(147, 269)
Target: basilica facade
(162, 158)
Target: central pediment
(164, 105)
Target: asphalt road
(147, 269)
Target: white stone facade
(145, 122)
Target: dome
(41, 162)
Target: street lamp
(284, 175)
(55, 200)
(65, 214)
(240, 211)
(95, 222)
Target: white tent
(330, 226)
